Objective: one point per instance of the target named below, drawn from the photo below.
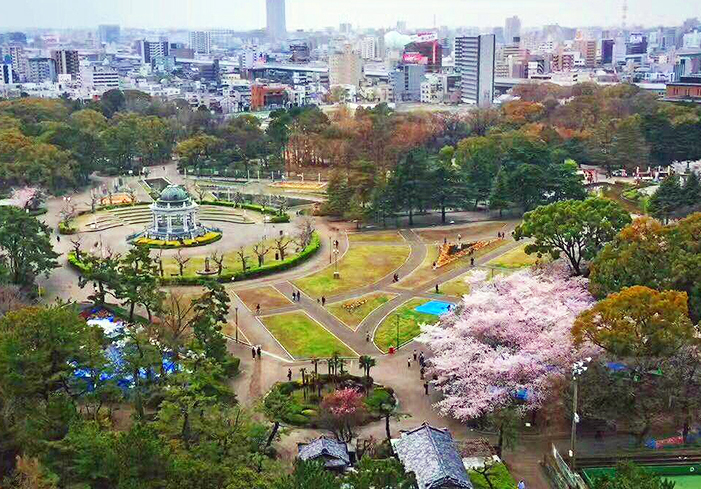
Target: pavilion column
(170, 225)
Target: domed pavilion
(175, 216)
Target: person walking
(422, 359)
(323, 301)
(426, 388)
(58, 238)
(472, 262)
(367, 337)
(253, 352)
(408, 362)
(422, 372)
(437, 292)
(416, 355)
(521, 484)
(259, 352)
(257, 308)
(289, 375)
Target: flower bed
(303, 186)
(451, 252)
(210, 237)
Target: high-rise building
(406, 82)
(200, 42)
(369, 47)
(148, 50)
(41, 70)
(346, 67)
(512, 29)
(345, 28)
(637, 44)
(587, 48)
(474, 61)
(108, 33)
(67, 61)
(18, 58)
(277, 25)
(6, 75)
(429, 53)
(607, 51)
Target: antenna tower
(625, 14)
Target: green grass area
(361, 266)
(685, 481)
(516, 258)
(457, 287)
(499, 476)
(353, 311)
(424, 275)
(303, 337)
(409, 324)
(376, 237)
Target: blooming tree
(341, 411)
(507, 341)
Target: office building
(41, 70)
(99, 78)
(587, 48)
(300, 52)
(474, 61)
(564, 60)
(607, 51)
(67, 61)
(346, 67)
(6, 75)
(18, 58)
(277, 25)
(148, 50)
(369, 48)
(108, 33)
(428, 53)
(512, 29)
(200, 42)
(637, 44)
(180, 50)
(406, 81)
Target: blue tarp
(435, 308)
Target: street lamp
(578, 368)
(336, 273)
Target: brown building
(688, 88)
(265, 96)
(67, 61)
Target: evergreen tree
(667, 199)
(499, 198)
(691, 191)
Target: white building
(369, 48)
(346, 67)
(474, 61)
(201, 42)
(98, 78)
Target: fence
(560, 474)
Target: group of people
(501, 235)
(256, 351)
(421, 359)
(321, 301)
(296, 296)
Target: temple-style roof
(173, 193)
(334, 453)
(430, 453)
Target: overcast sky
(306, 14)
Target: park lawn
(457, 287)
(232, 261)
(409, 324)
(376, 237)
(362, 265)
(469, 233)
(499, 476)
(268, 297)
(516, 258)
(353, 317)
(303, 337)
(425, 274)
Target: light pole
(397, 321)
(336, 273)
(237, 324)
(578, 368)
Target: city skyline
(315, 14)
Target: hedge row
(255, 272)
(277, 216)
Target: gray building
(41, 70)
(406, 82)
(276, 21)
(67, 61)
(149, 50)
(474, 62)
(108, 33)
(201, 42)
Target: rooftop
(173, 193)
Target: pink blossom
(508, 339)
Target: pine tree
(691, 192)
(499, 196)
(667, 199)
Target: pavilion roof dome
(173, 193)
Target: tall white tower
(277, 24)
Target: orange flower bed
(451, 252)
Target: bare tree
(159, 262)
(131, 193)
(182, 261)
(11, 298)
(218, 258)
(305, 231)
(68, 211)
(200, 191)
(281, 244)
(176, 315)
(244, 259)
(77, 243)
(94, 200)
(260, 250)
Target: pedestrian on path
(58, 238)
(408, 362)
(416, 355)
(437, 292)
(426, 388)
(258, 309)
(422, 372)
(521, 484)
(367, 337)
(289, 375)
(253, 352)
(323, 301)
(422, 359)
(472, 262)
(259, 352)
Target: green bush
(65, 228)
(310, 413)
(499, 476)
(296, 419)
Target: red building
(265, 96)
(429, 53)
(687, 88)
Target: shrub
(65, 228)
(296, 419)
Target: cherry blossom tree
(507, 342)
(341, 411)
